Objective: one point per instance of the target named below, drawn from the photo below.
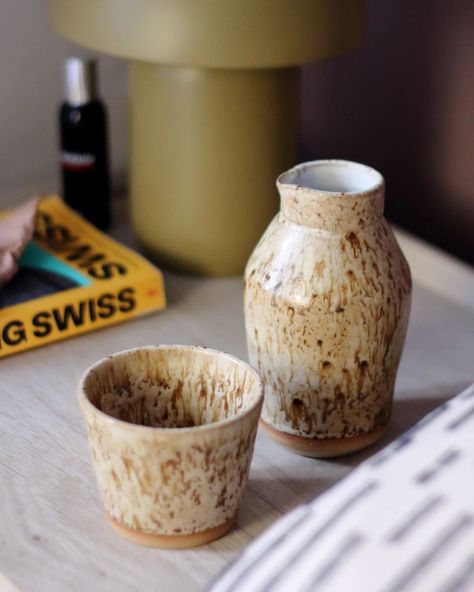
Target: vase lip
(332, 177)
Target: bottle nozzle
(80, 80)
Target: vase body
(327, 299)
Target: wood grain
(53, 533)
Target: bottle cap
(80, 80)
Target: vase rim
(333, 177)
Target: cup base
(322, 447)
(172, 541)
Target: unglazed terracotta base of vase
(173, 541)
(171, 431)
(327, 300)
(321, 447)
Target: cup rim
(376, 187)
(84, 400)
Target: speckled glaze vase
(327, 299)
(171, 431)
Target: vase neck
(332, 195)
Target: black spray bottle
(84, 156)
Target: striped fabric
(402, 521)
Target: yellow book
(72, 279)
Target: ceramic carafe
(327, 299)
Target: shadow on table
(179, 287)
(266, 500)
(288, 492)
(408, 408)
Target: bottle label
(75, 161)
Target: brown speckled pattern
(164, 476)
(327, 301)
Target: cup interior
(172, 386)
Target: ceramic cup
(171, 431)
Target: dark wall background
(404, 104)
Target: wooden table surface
(53, 536)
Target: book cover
(72, 279)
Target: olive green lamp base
(213, 111)
(206, 148)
